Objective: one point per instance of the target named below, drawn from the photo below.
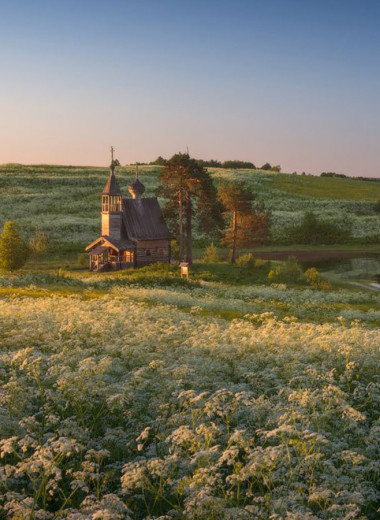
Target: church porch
(104, 258)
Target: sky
(291, 82)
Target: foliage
(333, 174)
(239, 164)
(81, 259)
(160, 161)
(266, 167)
(211, 254)
(174, 249)
(187, 186)
(315, 280)
(293, 269)
(246, 260)
(248, 226)
(377, 206)
(289, 272)
(13, 249)
(312, 230)
(39, 242)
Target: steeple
(112, 186)
(111, 204)
(136, 188)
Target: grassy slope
(64, 200)
(328, 187)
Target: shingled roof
(143, 219)
(112, 186)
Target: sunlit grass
(328, 187)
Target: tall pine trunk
(234, 237)
(189, 238)
(180, 231)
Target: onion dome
(136, 188)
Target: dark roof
(112, 186)
(97, 251)
(143, 219)
(136, 187)
(120, 245)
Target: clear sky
(292, 82)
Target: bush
(274, 273)
(81, 259)
(13, 250)
(293, 270)
(377, 206)
(290, 272)
(315, 280)
(245, 260)
(39, 242)
(211, 254)
(259, 263)
(313, 231)
(174, 249)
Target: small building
(133, 230)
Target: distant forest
(341, 175)
(213, 163)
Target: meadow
(64, 201)
(138, 395)
(240, 394)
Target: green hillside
(328, 187)
(64, 201)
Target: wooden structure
(184, 270)
(133, 231)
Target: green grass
(64, 201)
(328, 187)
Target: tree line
(213, 163)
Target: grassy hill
(64, 201)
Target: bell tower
(112, 205)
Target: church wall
(151, 251)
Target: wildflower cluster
(114, 409)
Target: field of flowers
(65, 201)
(200, 401)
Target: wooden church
(133, 230)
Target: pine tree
(248, 225)
(13, 249)
(188, 187)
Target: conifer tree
(13, 249)
(248, 225)
(188, 187)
